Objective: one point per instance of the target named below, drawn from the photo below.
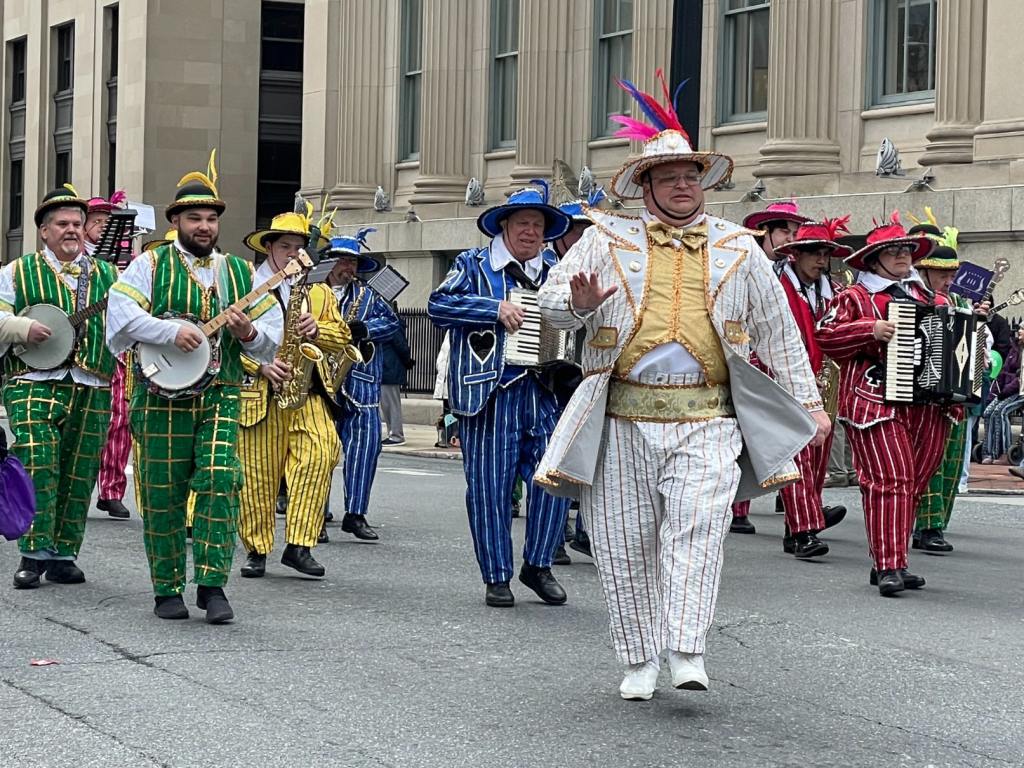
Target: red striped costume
(896, 448)
(118, 447)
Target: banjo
(58, 349)
(168, 372)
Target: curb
(424, 453)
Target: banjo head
(169, 370)
(56, 350)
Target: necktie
(517, 273)
(692, 239)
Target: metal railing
(424, 344)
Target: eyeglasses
(691, 179)
(902, 250)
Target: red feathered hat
(890, 234)
(815, 235)
(787, 210)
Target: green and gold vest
(37, 282)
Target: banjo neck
(79, 317)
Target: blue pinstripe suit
(359, 424)
(506, 417)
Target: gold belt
(645, 402)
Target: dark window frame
(731, 19)
(504, 72)
(615, 43)
(410, 82)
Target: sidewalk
(419, 441)
(993, 479)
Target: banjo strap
(82, 295)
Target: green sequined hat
(197, 190)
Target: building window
(613, 24)
(15, 155)
(279, 152)
(17, 55)
(17, 187)
(904, 50)
(411, 80)
(63, 102)
(745, 68)
(504, 71)
(113, 35)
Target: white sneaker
(688, 671)
(639, 682)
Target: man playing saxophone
(287, 429)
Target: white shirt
(500, 257)
(876, 283)
(811, 293)
(7, 295)
(128, 323)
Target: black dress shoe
(358, 527)
(255, 566)
(742, 525)
(499, 595)
(806, 544)
(322, 537)
(516, 509)
(215, 603)
(780, 508)
(910, 580)
(561, 557)
(931, 540)
(28, 573)
(543, 583)
(833, 515)
(581, 543)
(328, 516)
(114, 508)
(281, 507)
(170, 607)
(889, 582)
(301, 560)
(64, 572)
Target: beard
(197, 249)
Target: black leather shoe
(170, 607)
(114, 508)
(543, 583)
(281, 507)
(742, 525)
(910, 580)
(582, 543)
(516, 509)
(568, 534)
(780, 508)
(889, 582)
(833, 515)
(28, 573)
(322, 537)
(301, 560)
(806, 544)
(328, 516)
(215, 603)
(931, 540)
(255, 566)
(64, 572)
(561, 557)
(358, 527)
(499, 595)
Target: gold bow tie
(692, 239)
(70, 269)
(202, 262)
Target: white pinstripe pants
(657, 514)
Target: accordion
(536, 343)
(937, 355)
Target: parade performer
(673, 302)
(191, 441)
(776, 225)
(287, 430)
(896, 447)
(112, 480)
(506, 413)
(370, 321)
(58, 416)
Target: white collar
(50, 256)
(875, 283)
(501, 257)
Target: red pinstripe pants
(115, 454)
(895, 460)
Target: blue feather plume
(361, 236)
(544, 186)
(641, 101)
(595, 197)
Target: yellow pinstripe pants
(303, 446)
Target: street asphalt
(393, 659)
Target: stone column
(959, 74)
(361, 149)
(802, 72)
(652, 45)
(543, 124)
(1001, 136)
(321, 66)
(444, 114)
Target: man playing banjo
(58, 412)
(190, 435)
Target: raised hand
(587, 293)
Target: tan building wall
(819, 141)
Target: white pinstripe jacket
(748, 309)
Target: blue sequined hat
(574, 208)
(556, 223)
(354, 246)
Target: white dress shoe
(688, 671)
(639, 682)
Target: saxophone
(301, 355)
(340, 363)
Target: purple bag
(17, 497)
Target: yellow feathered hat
(297, 222)
(197, 190)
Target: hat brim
(758, 219)
(364, 263)
(152, 245)
(60, 202)
(254, 240)
(195, 202)
(715, 168)
(922, 247)
(839, 251)
(556, 222)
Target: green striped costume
(190, 444)
(59, 426)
